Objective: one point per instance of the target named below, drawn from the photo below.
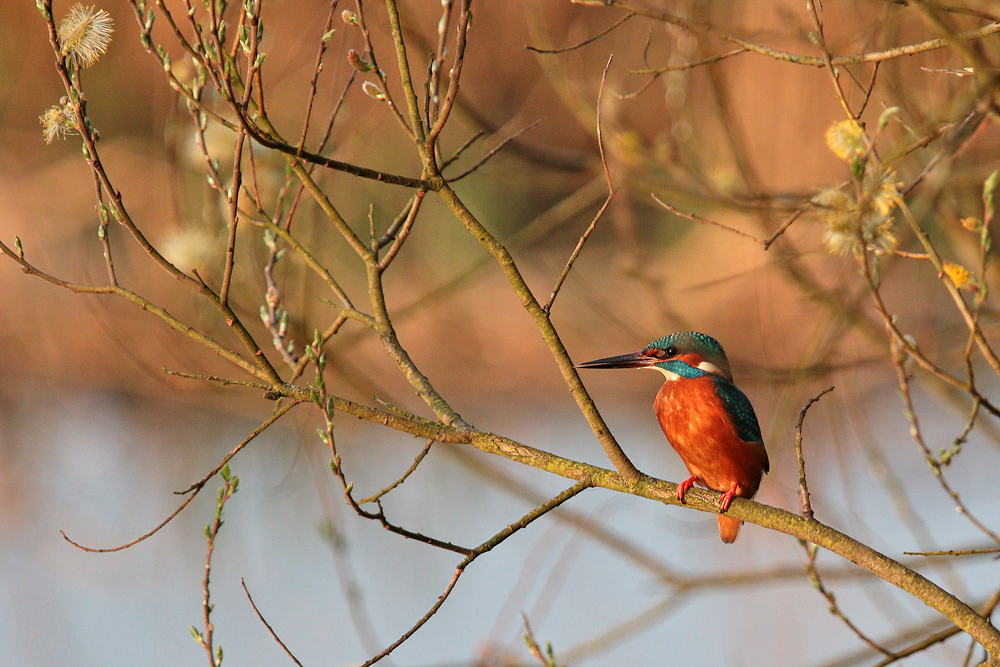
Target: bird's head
(686, 354)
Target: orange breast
(698, 427)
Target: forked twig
(196, 487)
(493, 152)
(486, 546)
(817, 582)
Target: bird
(705, 417)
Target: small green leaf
(989, 197)
(857, 168)
(225, 472)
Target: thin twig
(585, 42)
(493, 152)
(611, 193)
(268, 625)
(534, 648)
(230, 483)
(486, 546)
(986, 610)
(686, 66)
(220, 380)
(963, 552)
(317, 68)
(817, 582)
(196, 487)
(402, 478)
(657, 72)
(706, 221)
(899, 361)
(326, 404)
(806, 506)
(279, 412)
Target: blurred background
(95, 437)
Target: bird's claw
(727, 498)
(683, 487)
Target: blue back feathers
(739, 408)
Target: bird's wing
(739, 408)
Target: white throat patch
(671, 376)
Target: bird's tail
(729, 528)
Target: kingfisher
(708, 421)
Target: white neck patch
(709, 367)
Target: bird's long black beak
(631, 360)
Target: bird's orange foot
(683, 487)
(727, 498)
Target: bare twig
(706, 221)
(817, 582)
(938, 637)
(402, 478)
(611, 193)
(585, 42)
(268, 625)
(494, 151)
(963, 552)
(899, 361)
(806, 506)
(197, 486)
(483, 548)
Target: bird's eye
(671, 351)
